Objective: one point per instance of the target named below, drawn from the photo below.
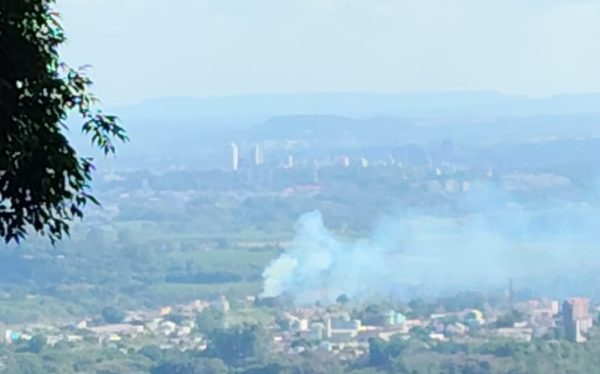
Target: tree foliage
(44, 183)
(384, 354)
(112, 315)
(509, 319)
(36, 344)
(210, 320)
(343, 299)
(198, 365)
(237, 345)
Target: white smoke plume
(424, 254)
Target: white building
(235, 157)
(259, 155)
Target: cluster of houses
(334, 330)
(170, 326)
(329, 328)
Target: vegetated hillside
(388, 130)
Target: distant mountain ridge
(190, 126)
(260, 107)
(384, 130)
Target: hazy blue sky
(152, 48)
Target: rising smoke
(425, 254)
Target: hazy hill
(187, 127)
(363, 105)
(390, 130)
(206, 120)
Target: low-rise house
(141, 316)
(154, 324)
(11, 336)
(74, 338)
(116, 332)
(317, 331)
(52, 340)
(188, 323)
(342, 329)
(165, 311)
(301, 325)
(183, 331)
(456, 329)
(83, 324)
(438, 337)
(167, 327)
(193, 308)
(412, 323)
(474, 317)
(523, 334)
(221, 304)
(351, 351)
(388, 335)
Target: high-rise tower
(259, 156)
(235, 157)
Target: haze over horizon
(533, 48)
(300, 186)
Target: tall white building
(577, 319)
(235, 157)
(364, 162)
(259, 155)
(290, 162)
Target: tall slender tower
(576, 318)
(364, 162)
(510, 295)
(259, 156)
(235, 157)
(316, 174)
